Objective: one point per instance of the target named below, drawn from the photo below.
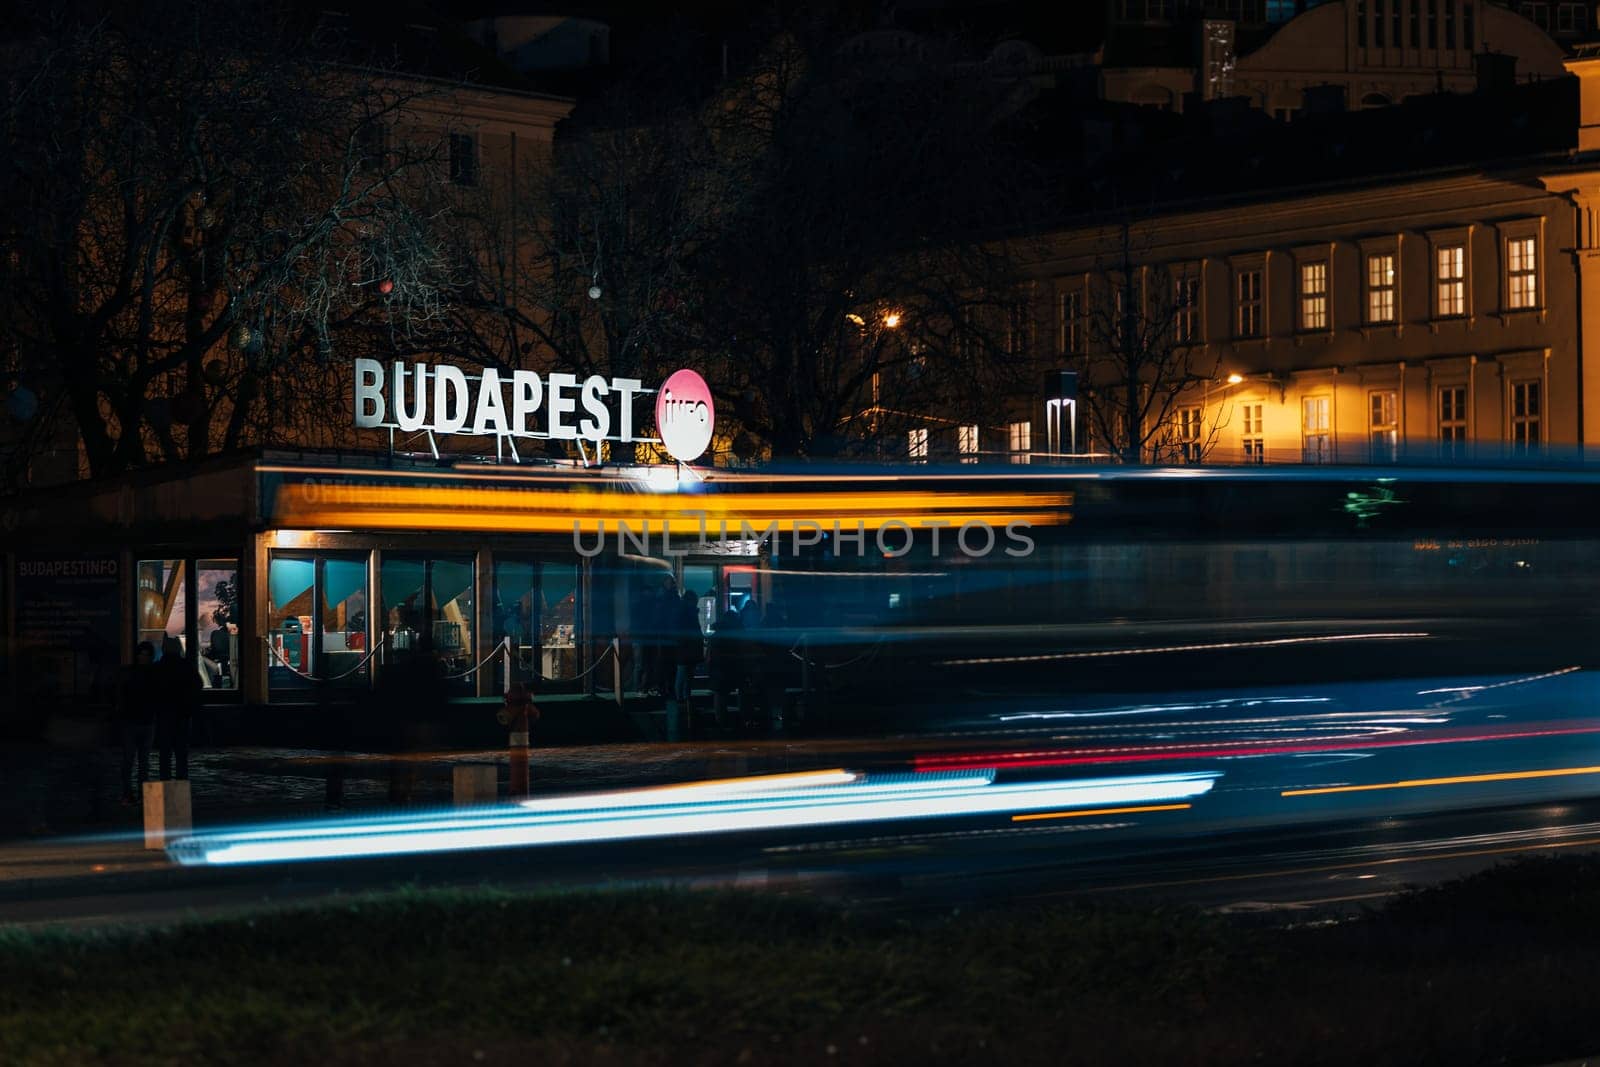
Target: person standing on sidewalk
(725, 663)
(687, 651)
(412, 696)
(135, 718)
(176, 694)
(777, 666)
(663, 658)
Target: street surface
(1316, 798)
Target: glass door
(317, 621)
(536, 606)
(428, 609)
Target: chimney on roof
(1585, 66)
(1323, 99)
(1496, 71)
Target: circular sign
(684, 415)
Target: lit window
(1381, 287)
(463, 159)
(1453, 418)
(1385, 424)
(1522, 273)
(1314, 296)
(1316, 432)
(1188, 433)
(1186, 310)
(1248, 292)
(1253, 440)
(1452, 291)
(1020, 440)
(1526, 409)
(917, 443)
(967, 443)
(1069, 323)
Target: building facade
(1450, 312)
(1376, 52)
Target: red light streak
(1148, 753)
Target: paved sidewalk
(47, 792)
(63, 830)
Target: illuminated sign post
(415, 397)
(685, 415)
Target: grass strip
(1497, 967)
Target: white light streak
(890, 798)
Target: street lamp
(1271, 378)
(1061, 410)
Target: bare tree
(580, 258)
(1144, 360)
(196, 201)
(851, 286)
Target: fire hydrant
(519, 713)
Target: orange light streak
(1465, 779)
(1100, 811)
(585, 510)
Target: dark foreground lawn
(1502, 967)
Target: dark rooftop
(1117, 157)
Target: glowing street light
(1235, 378)
(892, 320)
(1061, 411)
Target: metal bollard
(519, 714)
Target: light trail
(1213, 647)
(682, 791)
(1099, 811)
(1224, 749)
(601, 818)
(1463, 779)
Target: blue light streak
(681, 810)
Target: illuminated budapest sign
(415, 397)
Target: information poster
(67, 636)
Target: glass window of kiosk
(702, 579)
(317, 619)
(196, 602)
(536, 606)
(432, 597)
(163, 602)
